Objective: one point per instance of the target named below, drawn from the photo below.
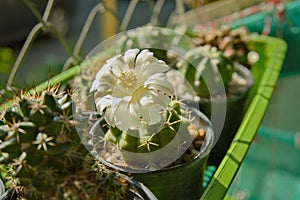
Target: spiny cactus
(41, 151)
(150, 142)
(232, 42)
(203, 66)
(178, 122)
(38, 141)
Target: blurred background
(274, 174)
(47, 55)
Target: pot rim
(138, 188)
(246, 74)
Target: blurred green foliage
(6, 59)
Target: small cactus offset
(206, 69)
(41, 152)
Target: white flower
(132, 90)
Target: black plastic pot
(137, 191)
(181, 181)
(235, 110)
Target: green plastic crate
(274, 160)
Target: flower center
(127, 79)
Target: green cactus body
(152, 141)
(38, 141)
(138, 149)
(205, 62)
(41, 151)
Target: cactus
(140, 110)
(41, 152)
(213, 64)
(150, 142)
(232, 42)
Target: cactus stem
(50, 174)
(20, 163)
(148, 143)
(37, 106)
(2, 112)
(168, 123)
(33, 192)
(66, 120)
(14, 129)
(42, 140)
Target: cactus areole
(143, 118)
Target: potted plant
(234, 43)
(135, 124)
(216, 79)
(42, 156)
(220, 87)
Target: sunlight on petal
(133, 90)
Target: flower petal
(109, 117)
(146, 100)
(159, 82)
(122, 118)
(148, 69)
(145, 56)
(103, 79)
(103, 89)
(102, 103)
(137, 105)
(155, 114)
(135, 113)
(159, 98)
(130, 55)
